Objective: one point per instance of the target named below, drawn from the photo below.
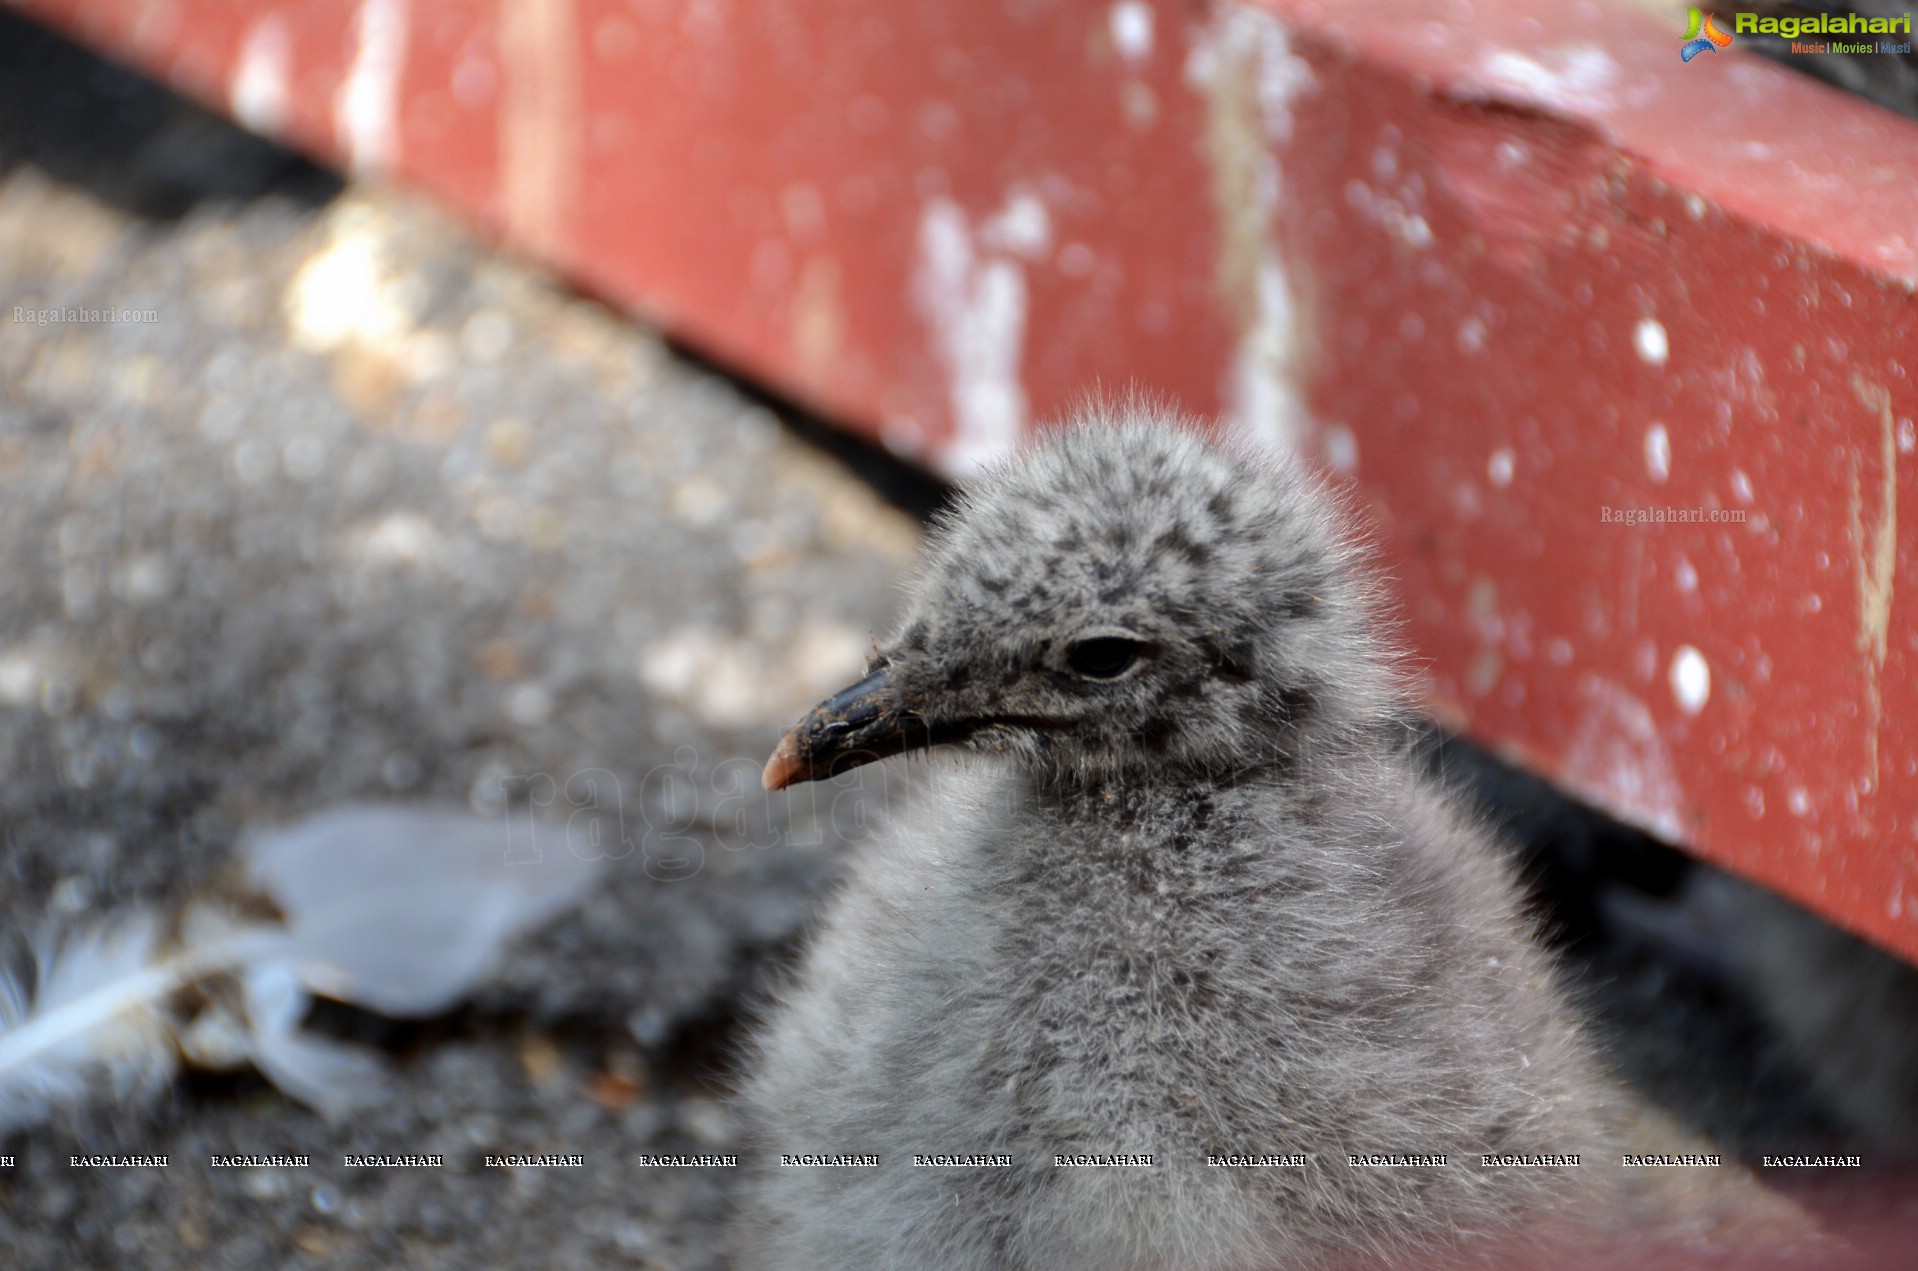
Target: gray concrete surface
(349, 508)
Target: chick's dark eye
(1104, 657)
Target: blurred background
(546, 467)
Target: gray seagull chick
(1173, 891)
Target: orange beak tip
(785, 767)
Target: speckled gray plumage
(1209, 907)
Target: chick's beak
(854, 726)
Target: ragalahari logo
(1702, 34)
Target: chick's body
(1203, 907)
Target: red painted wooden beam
(1514, 267)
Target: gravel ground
(362, 511)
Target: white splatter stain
(1076, 260)
(1685, 575)
(366, 112)
(1023, 228)
(1653, 345)
(1342, 450)
(1645, 660)
(1658, 452)
(1575, 78)
(258, 93)
(1398, 216)
(1130, 22)
(1471, 335)
(1619, 759)
(1799, 801)
(1741, 485)
(1499, 468)
(1691, 679)
(475, 79)
(975, 302)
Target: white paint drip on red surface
(1575, 79)
(258, 93)
(1658, 452)
(1265, 404)
(1131, 24)
(540, 123)
(366, 112)
(971, 288)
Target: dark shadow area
(128, 141)
(1887, 79)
